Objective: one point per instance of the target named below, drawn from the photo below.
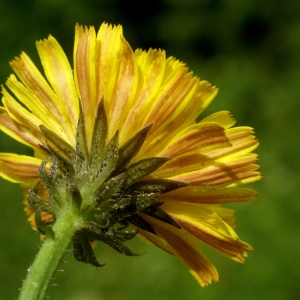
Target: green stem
(47, 260)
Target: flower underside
(137, 157)
(105, 189)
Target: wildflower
(116, 142)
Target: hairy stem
(50, 254)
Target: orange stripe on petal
(125, 90)
(85, 74)
(199, 136)
(19, 132)
(19, 168)
(109, 51)
(221, 173)
(27, 122)
(34, 105)
(242, 142)
(151, 66)
(37, 85)
(177, 111)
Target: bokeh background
(250, 50)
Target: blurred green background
(250, 50)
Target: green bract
(102, 188)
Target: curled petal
(223, 118)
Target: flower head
(117, 137)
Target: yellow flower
(210, 158)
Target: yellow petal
(152, 239)
(19, 168)
(41, 92)
(201, 137)
(124, 93)
(17, 131)
(224, 118)
(151, 66)
(241, 141)
(60, 76)
(85, 74)
(206, 225)
(176, 111)
(34, 105)
(223, 171)
(26, 122)
(109, 44)
(226, 214)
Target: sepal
(99, 135)
(132, 147)
(83, 250)
(139, 222)
(107, 164)
(33, 199)
(160, 214)
(156, 186)
(81, 151)
(142, 168)
(109, 238)
(43, 227)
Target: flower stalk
(50, 255)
